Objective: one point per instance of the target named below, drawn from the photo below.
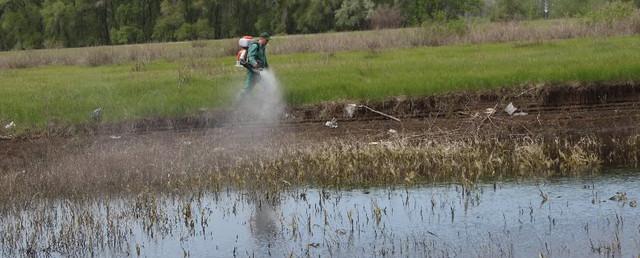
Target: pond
(567, 217)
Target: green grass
(427, 71)
(66, 95)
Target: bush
(508, 10)
(386, 17)
(127, 35)
(203, 30)
(353, 14)
(610, 13)
(447, 28)
(186, 32)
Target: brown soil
(598, 109)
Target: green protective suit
(256, 57)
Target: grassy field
(63, 95)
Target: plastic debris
(333, 124)
(289, 116)
(10, 125)
(510, 109)
(96, 114)
(115, 137)
(513, 110)
(393, 131)
(350, 110)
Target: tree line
(29, 24)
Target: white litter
(115, 137)
(350, 110)
(520, 114)
(10, 125)
(510, 109)
(333, 124)
(96, 114)
(393, 131)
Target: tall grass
(208, 164)
(433, 34)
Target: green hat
(265, 35)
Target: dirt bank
(552, 110)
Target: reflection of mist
(264, 227)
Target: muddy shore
(552, 110)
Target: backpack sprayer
(241, 56)
(242, 59)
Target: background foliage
(29, 24)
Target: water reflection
(263, 221)
(552, 218)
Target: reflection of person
(263, 222)
(256, 60)
(264, 226)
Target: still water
(568, 217)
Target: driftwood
(380, 113)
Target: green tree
(58, 20)
(414, 11)
(448, 10)
(127, 28)
(316, 16)
(21, 24)
(419, 11)
(203, 30)
(170, 21)
(353, 14)
(507, 10)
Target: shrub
(386, 16)
(127, 35)
(610, 13)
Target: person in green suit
(256, 61)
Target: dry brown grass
(208, 164)
(429, 35)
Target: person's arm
(253, 52)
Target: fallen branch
(380, 113)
